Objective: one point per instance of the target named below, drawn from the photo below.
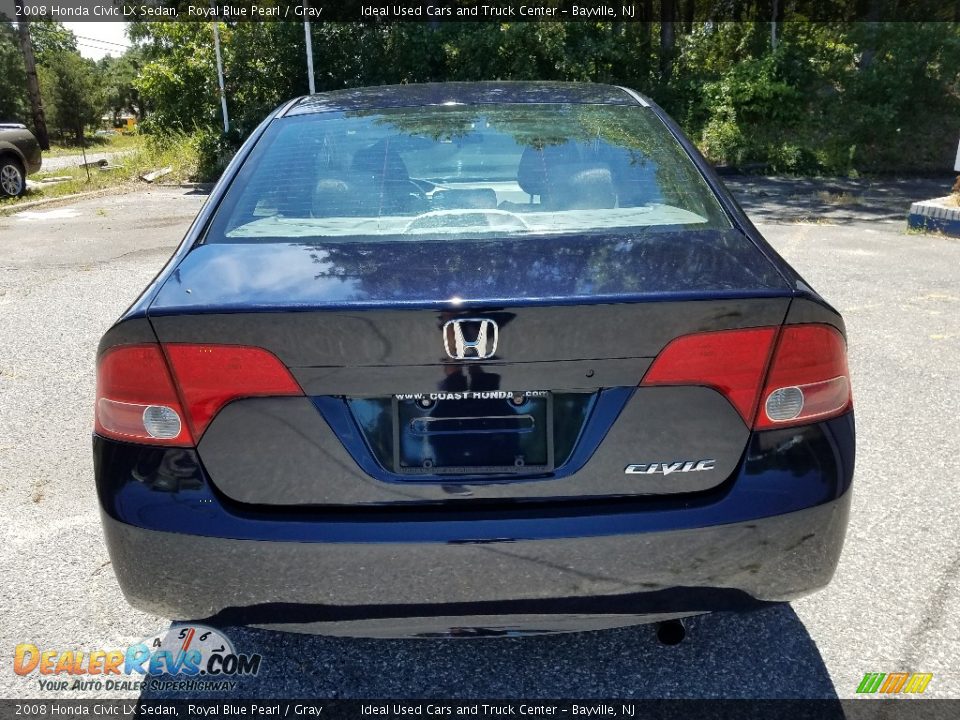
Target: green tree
(72, 94)
(50, 40)
(13, 98)
(178, 77)
(835, 97)
(118, 77)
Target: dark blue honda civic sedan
(469, 359)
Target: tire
(13, 180)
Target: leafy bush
(828, 98)
(213, 151)
(836, 99)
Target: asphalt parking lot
(66, 271)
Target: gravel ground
(67, 271)
(51, 164)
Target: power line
(98, 40)
(101, 49)
(103, 45)
(95, 47)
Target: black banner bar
(439, 11)
(591, 709)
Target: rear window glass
(464, 172)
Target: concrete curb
(937, 215)
(113, 190)
(17, 207)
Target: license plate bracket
(473, 433)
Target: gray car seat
(563, 180)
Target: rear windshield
(464, 172)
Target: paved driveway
(66, 272)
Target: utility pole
(223, 92)
(306, 33)
(33, 86)
(773, 26)
(667, 39)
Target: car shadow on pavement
(764, 654)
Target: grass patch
(839, 199)
(176, 151)
(813, 220)
(97, 144)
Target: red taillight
(808, 378)
(210, 376)
(730, 361)
(138, 399)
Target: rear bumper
(542, 583)
(773, 533)
(34, 163)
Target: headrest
(538, 166)
(332, 198)
(382, 162)
(582, 186)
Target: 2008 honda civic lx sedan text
(462, 359)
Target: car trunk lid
(392, 413)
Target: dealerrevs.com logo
(183, 657)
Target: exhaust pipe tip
(671, 632)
